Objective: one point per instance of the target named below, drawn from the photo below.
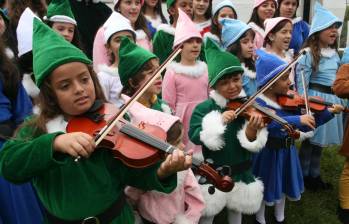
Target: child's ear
(172, 11)
(271, 37)
(132, 84)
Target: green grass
(314, 207)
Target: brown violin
(267, 114)
(294, 101)
(141, 146)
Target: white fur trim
(328, 52)
(246, 198)
(214, 202)
(212, 130)
(167, 29)
(197, 70)
(198, 156)
(305, 135)
(165, 108)
(296, 20)
(56, 124)
(219, 99)
(249, 73)
(182, 219)
(61, 19)
(256, 145)
(288, 55)
(269, 102)
(110, 70)
(140, 35)
(257, 28)
(211, 36)
(30, 86)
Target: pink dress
(183, 88)
(259, 37)
(183, 206)
(100, 55)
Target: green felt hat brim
(226, 71)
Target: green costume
(227, 144)
(162, 106)
(67, 189)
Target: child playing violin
(277, 164)
(184, 205)
(92, 188)
(228, 140)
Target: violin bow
(136, 96)
(114, 120)
(306, 99)
(250, 101)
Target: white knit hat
(116, 23)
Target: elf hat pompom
(218, 5)
(185, 29)
(323, 19)
(232, 30)
(25, 32)
(51, 50)
(267, 67)
(257, 3)
(117, 23)
(269, 24)
(220, 62)
(131, 59)
(60, 11)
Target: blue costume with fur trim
(299, 34)
(18, 203)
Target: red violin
(294, 101)
(141, 146)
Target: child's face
(115, 40)
(2, 25)
(191, 49)
(225, 12)
(155, 88)
(130, 9)
(288, 8)
(282, 85)
(200, 7)
(185, 5)
(74, 88)
(229, 87)
(247, 46)
(329, 36)
(151, 3)
(266, 10)
(65, 29)
(282, 38)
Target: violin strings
(139, 134)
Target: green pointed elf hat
(60, 11)
(50, 50)
(131, 59)
(220, 63)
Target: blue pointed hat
(267, 67)
(232, 30)
(322, 19)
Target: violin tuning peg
(225, 170)
(202, 180)
(209, 161)
(211, 189)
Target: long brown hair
(277, 12)
(141, 22)
(313, 43)
(158, 10)
(48, 102)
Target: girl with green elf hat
(92, 189)
(61, 19)
(228, 140)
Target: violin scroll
(219, 178)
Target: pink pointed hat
(185, 29)
(140, 113)
(269, 24)
(260, 2)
